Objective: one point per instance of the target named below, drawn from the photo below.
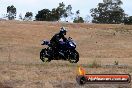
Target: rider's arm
(64, 38)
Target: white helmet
(63, 30)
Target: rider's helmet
(63, 31)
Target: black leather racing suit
(55, 41)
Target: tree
(54, 15)
(20, 16)
(58, 13)
(11, 12)
(68, 12)
(128, 20)
(87, 19)
(28, 16)
(61, 10)
(44, 15)
(77, 13)
(109, 11)
(78, 19)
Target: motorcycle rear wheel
(44, 56)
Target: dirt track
(20, 46)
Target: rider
(55, 39)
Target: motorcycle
(66, 51)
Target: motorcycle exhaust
(62, 54)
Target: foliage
(128, 20)
(28, 16)
(68, 12)
(43, 15)
(108, 12)
(61, 9)
(11, 12)
(20, 16)
(55, 14)
(78, 19)
(87, 19)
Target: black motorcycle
(66, 51)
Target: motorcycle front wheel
(74, 56)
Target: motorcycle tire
(74, 57)
(44, 56)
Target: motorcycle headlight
(42, 42)
(71, 44)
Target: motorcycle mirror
(42, 42)
(69, 38)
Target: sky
(34, 6)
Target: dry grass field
(20, 66)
